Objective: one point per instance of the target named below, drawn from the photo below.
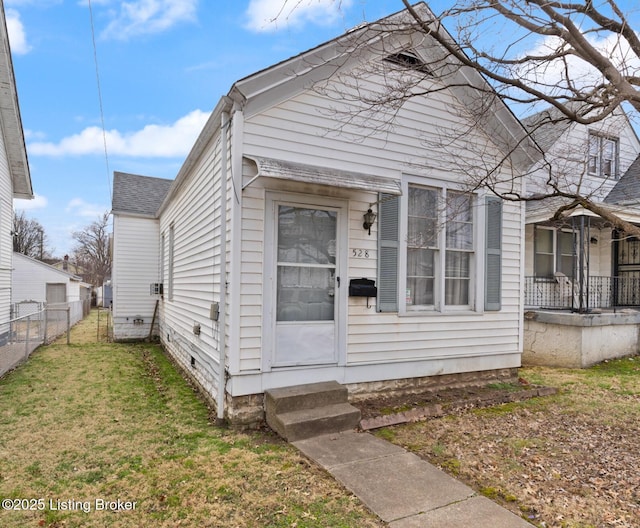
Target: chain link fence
(33, 324)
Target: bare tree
(580, 58)
(92, 250)
(29, 237)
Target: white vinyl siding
(135, 266)
(191, 224)
(302, 130)
(6, 239)
(171, 259)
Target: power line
(104, 133)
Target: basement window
(410, 61)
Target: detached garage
(34, 282)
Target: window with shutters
(439, 248)
(431, 235)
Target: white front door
(305, 284)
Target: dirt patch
(395, 410)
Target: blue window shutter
(493, 255)
(388, 250)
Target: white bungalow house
(582, 276)
(37, 283)
(269, 271)
(15, 179)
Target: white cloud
(154, 141)
(79, 207)
(272, 15)
(143, 17)
(17, 34)
(38, 202)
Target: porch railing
(563, 293)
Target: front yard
(566, 461)
(85, 426)
(99, 434)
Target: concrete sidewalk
(400, 487)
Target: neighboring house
(136, 254)
(262, 241)
(578, 262)
(70, 267)
(34, 282)
(15, 179)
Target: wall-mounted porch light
(369, 219)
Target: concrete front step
(308, 423)
(308, 396)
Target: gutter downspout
(222, 319)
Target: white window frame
(171, 263)
(161, 263)
(596, 152)
(555, 247)
(476, 266)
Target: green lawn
(85, 426)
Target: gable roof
(10, 120)
(283, 80)
(388, 36)
(547, 126)
(627, 189)
(38, 263)
(138, 195)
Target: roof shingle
(140, 195)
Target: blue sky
(163, 65)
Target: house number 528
(360, 253)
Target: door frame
(269, 290)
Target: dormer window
(409, 61)
(603, 156)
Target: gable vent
(408, 60)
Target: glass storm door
(306, 282)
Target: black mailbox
(362, 288)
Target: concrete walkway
(400, 487)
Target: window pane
(565, 243)
(456, 292)
(594, 152)
(544, 265)
(422, 232)
(306, 236)
(457, 278)
(420, 292)
(305, 294)
(567, 266)
(420, 262)
(422, 217)
(459, 221)
(420, 276)
(544, 241)
(457, 264)
(608, 157)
